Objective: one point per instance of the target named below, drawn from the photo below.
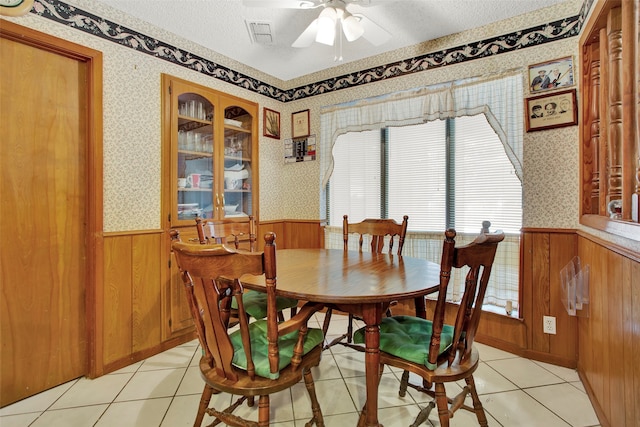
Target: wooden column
(594, 141)
(615, 129)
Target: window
(443, 173)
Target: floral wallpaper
(135, 54)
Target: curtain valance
(499, 99)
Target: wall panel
(609, 339)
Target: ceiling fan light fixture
(327, 26)
(351, 27)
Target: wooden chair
(441, 353)
(376, 230)
(241, 234)
(259, 358)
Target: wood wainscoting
(609, 339)
(135, 305)
(293, 233)
(131, 303)
(544, 252)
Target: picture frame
(300, 124)
(550, 75)
(555, 110)
(271, 123)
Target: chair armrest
(301, 318)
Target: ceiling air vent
(260, 32)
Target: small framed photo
(551, 111)
(300, 124)
(271, 123)
(551, 75)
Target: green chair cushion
(259, 347)
(255, 304)
(408, 337)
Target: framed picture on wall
(551, 75)
(300, 124)
(271, 123)
(551, 111)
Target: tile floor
(164, 390)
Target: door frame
(94, 283)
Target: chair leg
(327, 319)
(477, 405)
(404, 383)
(204, 404)
(443, 405)
(423, 415)
(350, 329)
(263, 411)
(315, 406)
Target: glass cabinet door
(196, 157)
(238, 162)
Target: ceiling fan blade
(282, 4)
(308, 36)
(373, 33)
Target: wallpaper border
(71, 16)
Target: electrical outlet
(549, 325)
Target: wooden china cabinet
(210, 170)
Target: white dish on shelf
(230, 209)
(232, 122)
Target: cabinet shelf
(195, 154)
(195, 189)
(235, 129)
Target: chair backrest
(241, 233)
(211, 277)
(478, 256)
(377, 229)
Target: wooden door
(43, 216)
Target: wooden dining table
(360, 283)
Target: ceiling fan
(334, 21)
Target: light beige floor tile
(569, 403)
(349, 419)
(333, 397)
(490, 353)
(152, 384)
(93, 391)
(462, 418)
(579, 386)
(128, 369)
(137, 413)
(351, 363)
(192, 383)
(524, 373)
(183, 409)
(177, 357)
(518, 409)
(77, 417)
(398, 416)
(387, 392)
(39, 402)
(488, 380)
(328, 368)
(567, 374)
(19, 420)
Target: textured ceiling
(221, 25)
